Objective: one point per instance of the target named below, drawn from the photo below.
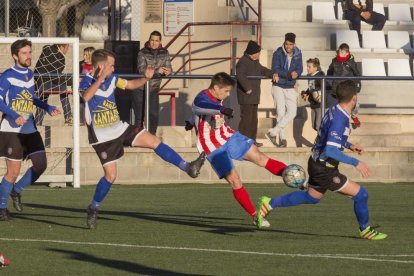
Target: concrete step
(400, 140)
(302, 3)
(307, 4)
(62, 136)
(308, 33)
(283, 15)
(377, 129)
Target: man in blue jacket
(287, 64)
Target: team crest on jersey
(105, 115)
(26, 77)
(23, 103)
(335, 135)
(219, 122)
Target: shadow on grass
(218, 225)
(207, 224)
(115, 264)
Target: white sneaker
(265, 223)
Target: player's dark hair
(343, 46)
(155, 33)
(18, 44)
(222, 79)
(346, 90)
(100, 56)
(315, 62)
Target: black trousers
(138, 105)
(377, 20)
(248, 120)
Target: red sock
(275, 167)
(243, 198)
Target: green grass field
(201, 230)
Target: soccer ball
(294, 176)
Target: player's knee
(11, 176)
(234, 180)
(111, 177)
(362, 195)
(312, 200)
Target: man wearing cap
(248, 90)
(287, 64)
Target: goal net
(55, 63)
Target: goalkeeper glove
(227, 111)
(188, 126)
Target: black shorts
(113, 150)
(19, 146)
(324, 178)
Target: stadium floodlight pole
(7, 18)
(147, 95)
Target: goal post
(73, 56)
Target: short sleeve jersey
(17, 92)
(334, 131)
(101, 113)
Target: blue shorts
(235, 148)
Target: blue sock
(28, 178)
(101, 191)
(361, 208)
(5, 190)
(293, 199)
(171, 156)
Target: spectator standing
(362, 10)
(344, 65)
(313, 93)
(85, 65)
(153, 54)
(248, 90)
(287, 64)
(50, 66)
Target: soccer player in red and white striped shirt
(221, 144)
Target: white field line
(320, 256)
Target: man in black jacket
(248, 90)
(50, 66)
(357, 10)
(158, 57)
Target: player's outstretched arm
(134, 84)
(203, 106)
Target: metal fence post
(323, 96)
(7, 18)
(147, 103)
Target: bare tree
(81, 10)
(52, 10)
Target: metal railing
(323, 84)
(232, 56)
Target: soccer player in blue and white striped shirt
(19, 138)
(327, 154)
